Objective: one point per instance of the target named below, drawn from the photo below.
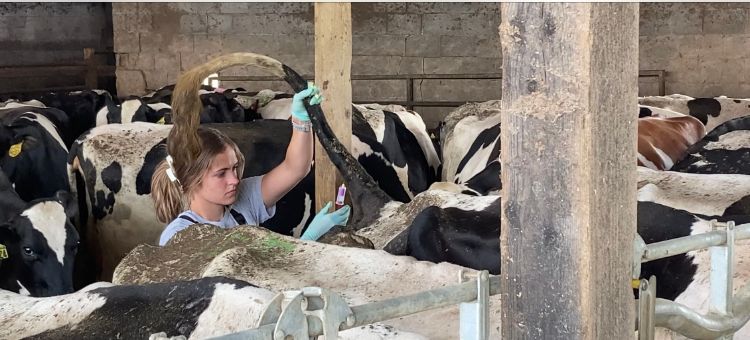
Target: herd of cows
(430, 196)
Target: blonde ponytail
(168, 197)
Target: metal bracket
(646, 308)
(474, 323)
(639, 248)
(722, 273)
(290, 311)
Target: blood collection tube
(340, 196)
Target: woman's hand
(324, 221)
(299, 111)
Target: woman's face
(219, 185)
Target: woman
(213, 191)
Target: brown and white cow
(662, 142)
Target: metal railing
(314, 311)
(727, 313)
(410, 103)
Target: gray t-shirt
(249, 204)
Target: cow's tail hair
(183, 143)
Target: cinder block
(712, 47)
(378, 90)
(685, 19)
(256, 43)
(388, 7)
(152, 42)
(682, 70)
(648, 88)
(368, 65)
(411, 65)
(689, 89)
(735, 46)
(303, 44)
(368, 23)
(219, 23)
(124, 8)
(653, 19)
(688, 46)
(729, 21)
(303, 64)
(422, 45)
(188, 60)
(458, 90)
(126, 42)
(480, 24)
(279, 7)
(451, 65)
(404, 24)
(233, 7)
(472, 46)
(130, 83)
(196, 7)
(658, 48)
(441, 24)
(378, 44)
(442, 7)
(193, 23)
(207, 43)
(180, 43)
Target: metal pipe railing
(386, 309)
(659, 250)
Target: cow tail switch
(340, 196)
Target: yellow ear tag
(15, 149)
(3, 252)
(160, 121)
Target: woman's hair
(193, 148)
(172, 198)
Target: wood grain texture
(569, 94)
(333, 59)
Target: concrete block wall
(704, 47)
(53, 33)
(155, 42)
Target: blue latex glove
(324, 221)
(298, 107)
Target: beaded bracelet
(304, 127)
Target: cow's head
(39, 248)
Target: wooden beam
(570, 74)
(91, 77)
(333, 60)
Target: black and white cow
(39, 241)
(219, 105)
(710, 111)
(470, 146)
(132, 110)
(33, 153)
(391, 142)
(116, 162)
(724, 150)
(80, 107)
(196, 309)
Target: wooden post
(570, 75)
(333, 60)
(90, 79)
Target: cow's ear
(69, 204)
(7, 237)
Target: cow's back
(662, 142)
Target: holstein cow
(34, 154)
(391, 142)
(196, 309)
(117, 161)
(724, 150)
(470, 146)
(132, 110)
(219, 105)
(664, 141)
(38, 244)
(469, 233)
(281, 263)
(80, 107)
(710, 111)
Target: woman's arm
(299, 153)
